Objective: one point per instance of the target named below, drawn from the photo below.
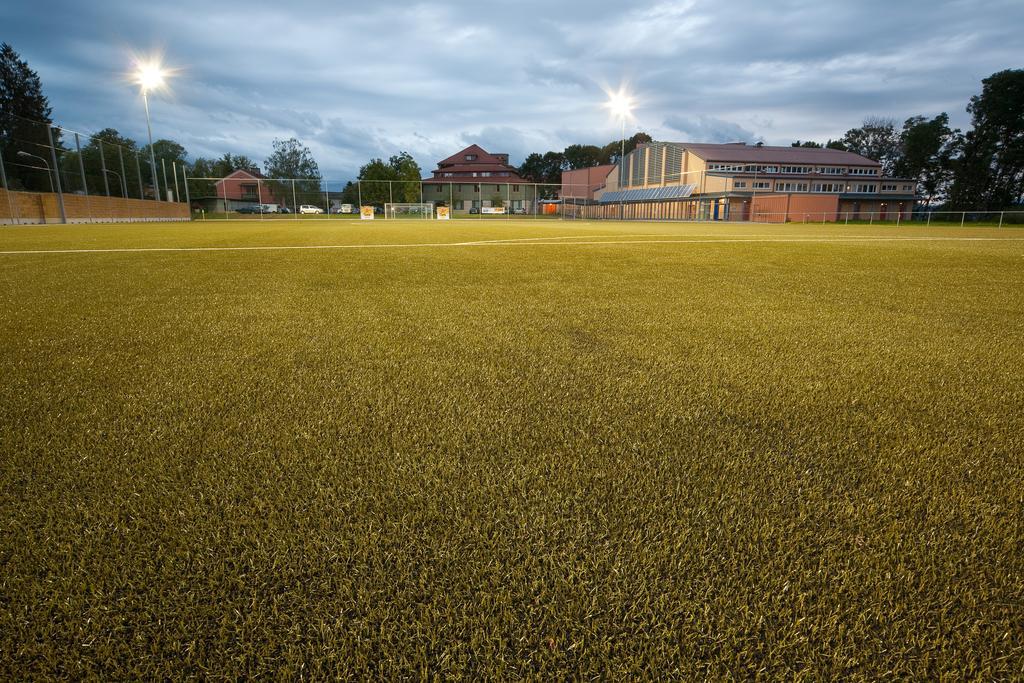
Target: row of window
(476, 174)
(476, 188)
(793, 170)
(465, 204)
(780, 186)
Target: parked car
(248, 209)
(474, 210)
(309, 208)
(284, 209)
(521, 211)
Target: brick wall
(42, 207)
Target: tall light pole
(48, 173)
(150, 76)
(620, 104)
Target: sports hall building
(740, 182)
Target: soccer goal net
(425, 210)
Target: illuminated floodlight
(150, 75)
(620, 103)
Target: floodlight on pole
(620, 104)
(150, 76)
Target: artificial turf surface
(714, 451)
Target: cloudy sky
(355, 80)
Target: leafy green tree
(293, 160)
(876, 139)
(408, 172)
(25, 116)
(396, 180)
(989, 175)
(927, 148)
(582, 156)
(810, 144)
(168, 151)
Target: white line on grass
(739, 239)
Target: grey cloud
(709, 129)
(354, 81)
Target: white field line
(737, 239)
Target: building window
(827, 187)
(761, 185)
(470, 157)
(863, 171)
(485, 174)
(865, 188)
(515, 188)
(832, 170)
(739, 184)
(795, 169)
(908, 188)
(791, 187)
(888, 188)
(476, 188)
(497, 188)
(439, 188)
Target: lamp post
(49, 174)
(119, 181)
(150, 76)
(621, 104)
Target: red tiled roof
(482, 157)
(781, 155)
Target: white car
(309, 208)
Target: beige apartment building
(750, 182)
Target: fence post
(103, 168)
(81, 170)
(177, 192)
(295, 203)
(1001, 218)
(188, 200)
(929, 224)
(7, 190)
(163, 164)
(138, 174)
(899, 215)
(124, 178)
(963, 217)
(53, 157)
(359, 195)
(227, 214)
(259, 196)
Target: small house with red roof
(240, 188)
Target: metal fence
(38, 157)
(247, 193)
(918, 217)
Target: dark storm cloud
(355, 82)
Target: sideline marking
(537, 242)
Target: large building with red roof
(750, 182)
(475, 180)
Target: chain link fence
(37, 157)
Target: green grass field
(407, 450)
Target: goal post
(424, 210)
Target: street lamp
(48, 173)
(150, 76)
(620, 104)
(118, 176)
